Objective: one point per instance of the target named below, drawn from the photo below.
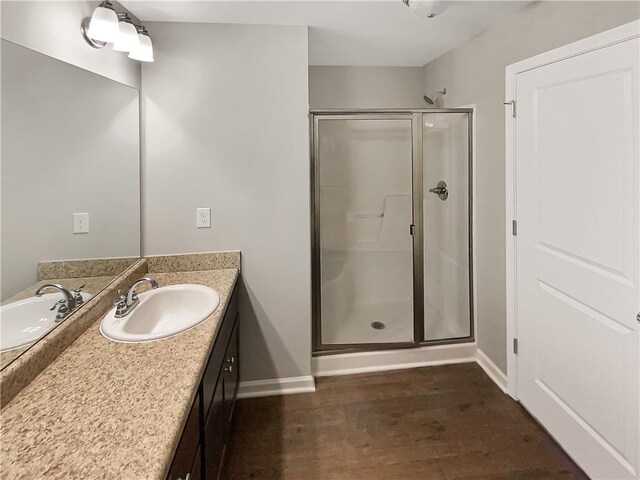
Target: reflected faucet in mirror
(68, 304)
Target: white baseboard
(492, 370)
(276, 386)
(380, 361)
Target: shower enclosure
(391, 220)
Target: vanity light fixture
(426, 8)
(108, 26)
(127, 40)
(102, 27)
(144, 50)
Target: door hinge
(513, 107)
(515, 346)
(412, 228)
(514, 228)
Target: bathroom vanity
(156, 410)
(77, 402)
(200, 452)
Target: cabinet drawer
(215, 363)
(189, 446)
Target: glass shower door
(363, 209)
(446, 219)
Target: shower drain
(378, 325)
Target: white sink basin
(162, 313)
(25, 321)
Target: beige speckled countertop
(111, 410)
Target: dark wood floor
(448, 422)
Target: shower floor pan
(397, 318)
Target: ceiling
(362, 33)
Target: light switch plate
(80, 223)
(203, 217)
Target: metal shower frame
(417, 124)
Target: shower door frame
(416, 116)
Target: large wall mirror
(70, 191)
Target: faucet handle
(63, 310)
(55, 305)
(121, 304)
(78, 295)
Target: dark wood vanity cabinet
(188, 449)
(201, 450)
(218, 423)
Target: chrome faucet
(126, 303)
(67, 305)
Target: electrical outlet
(80, 223)
(203, 217)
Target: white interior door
(578, 255)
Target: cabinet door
(216, 361)
(189, 447)
(231, 373)
(196, 468)
(214, 432)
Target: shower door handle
(441, 190)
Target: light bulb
(127, 40)
(104, 24)
(144, 51)
(426, 8)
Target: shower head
(431, 100)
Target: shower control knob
(441, 190)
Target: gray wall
(53, 28)
(366, 87)
(225, 126)
(60, 157)
(474, 73)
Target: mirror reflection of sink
(162, 313)
(25, 321)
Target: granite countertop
(111, 410)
